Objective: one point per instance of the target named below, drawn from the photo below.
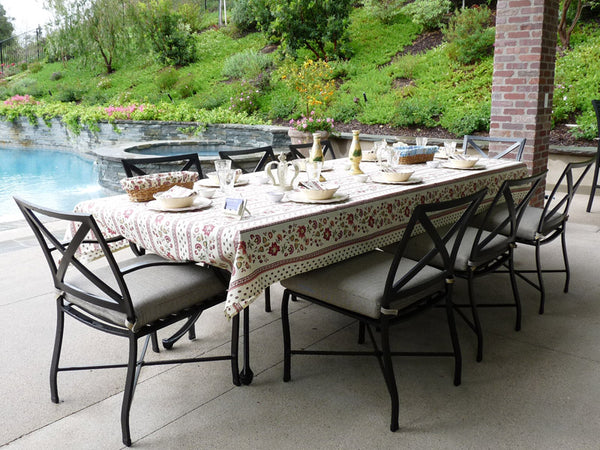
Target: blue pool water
(53, 179)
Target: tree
(569, 15)
(316, 25)
(6, 27)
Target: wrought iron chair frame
(595, 179)
(394, 289)
(268, 155)
(517, 144)
(326, 147)
(114, 299)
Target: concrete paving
(537, 389)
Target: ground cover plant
(394, 70)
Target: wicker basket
(143, 188)
(415, 154)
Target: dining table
(278, 239)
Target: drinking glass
(227, 180)
(422, 141)
(222, 166)
(450, 148)
(313, 170)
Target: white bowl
(320, 194)
(433, 164)
(275, 196)
(397, 176)
(362, 177)
(206, 192)
(463, 163)
(174, 202)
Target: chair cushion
(528, 227)
(420, 244)
(156, 291)
(357, 284)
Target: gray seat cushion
(156, 291)
(357, 284)
(528, 227)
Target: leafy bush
(385, 11)
(251, 15)
(167, 78)
(248, 64)
(313, 82)
(25, 86)
(68, 94)
(417, 111)
(470, 34)
(185, 87)
(56, 76)
(467, 120)
(244, 99)
(35, 67)
(428, 13)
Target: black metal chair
(296, 150)
(157, 164)
(142, 166)
(239, 157)
(595, 179)
(540, 226)
(485, 248)
(516, 147)
(380, 289)
(131, 299)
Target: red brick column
(523, 80)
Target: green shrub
(167, 78)
(415, 111)
(345, 111)
(35, 67)
(470, 34)
(69, 94)
(248, 64)
(251, 15)
(428, 13)
(244, 99)
(186, 86)
(55, 76)
(467, 119)
(385, 11)
(281, 105)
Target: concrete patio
(537, 388)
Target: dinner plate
(411, 180)
(199, 203)
(207, 182)
(299, 198)
(475, 167)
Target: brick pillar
(523, 81)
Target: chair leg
(58, 338)
(453, 336)
(388, 374)
(563, 240)
(268, 299)
(361, 332)
(129, 390)
(155, 347)
(285, 323)
(594, 185)
(538, 265)
(188, 326)
(476, 321)
(515, 289)
(235, 342)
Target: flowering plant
(246, 100)
(20, 100)
(312, 124)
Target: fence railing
(20, 50)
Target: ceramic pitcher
(286, 173)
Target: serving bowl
(466, 163)
(397, 176)
(320, 194)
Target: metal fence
(20, 50)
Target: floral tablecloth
(283, 239)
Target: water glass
(313, 170)
(422, 141)
(222, 166)
(450, 148)
(227, 180)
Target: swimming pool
(53, 179)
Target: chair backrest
(516, 147)
(559, 200)
(596, 105)
(172, 163)
(421, 219)
(265, 153)
(502, 218)
(296, 153)
(65, 266)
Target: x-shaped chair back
(517, 145)
(172, 163)
(266, 153)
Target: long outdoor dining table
(281, 239)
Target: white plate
(199, 203)
(299, 198)
(411, 180)
(325, 168)
(207, 182)
(475, 167)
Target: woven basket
(415, 159)
(143, 188)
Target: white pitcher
(286, 173)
